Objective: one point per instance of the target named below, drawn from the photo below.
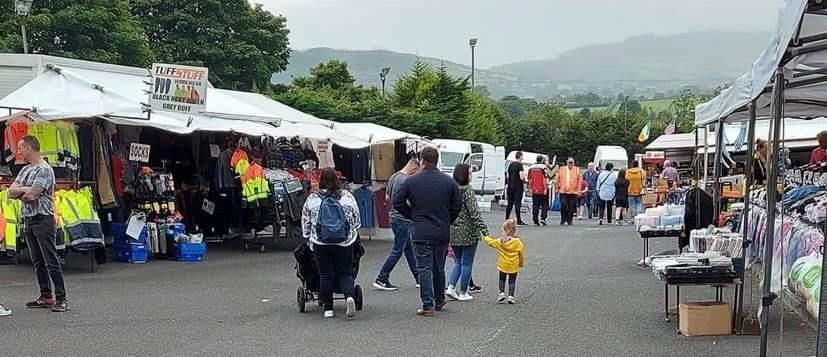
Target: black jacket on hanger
(694, 198)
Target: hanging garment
(240, 162)
(325, 154)
(78, 217)
(15, 131)
(106, 192)
(696, 197)
(51, 147)
(254, 185)
(361, 165)
(364, 199)
(383, 209)
(87, 156)
(383, 161)
(11, 210)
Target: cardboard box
(705, 319)
(650, 199)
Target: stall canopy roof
(69, 93)
(375, 133)
(797, 133)
(800, 45)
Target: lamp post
(384, 75)
(473, 43)
(23, 7)
(625, 110)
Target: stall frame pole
(772, 202)
(717, 168)
(739, 322)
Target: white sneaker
(465, 297)
(617, 223)
(328, 314)
(451, 292)
(4, 311)
(501, 298)
(351, 307)
(511, 300)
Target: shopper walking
(35, 186)
(581, 198)
(402, 232)
(466, 232)
(621, 198)
(591, 195)
(514, 181)
(510, 258)
(330, 222)
(606, 192)
(538, 184)
(637, 179)
(568, 184)
(433, 202)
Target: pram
(308, 273)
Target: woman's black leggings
(512, 280)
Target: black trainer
(61, 306)
(41, 303)
(384, 285)
(474, 289)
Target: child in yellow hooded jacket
(510, 258)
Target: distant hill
(694, 55)
(645, 65)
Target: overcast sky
(508, 30)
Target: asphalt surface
(581, 294)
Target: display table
(719, 295)
(646, 235)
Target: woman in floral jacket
(466, 231)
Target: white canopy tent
(62, 94)
(375, 133)
(787, 80)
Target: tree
(516, 106)
(242, 45)
(332, 74)
(482, 121)
(683, 110)
(94, 30)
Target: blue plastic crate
(119, 237)
(190, 252)
(132, 253)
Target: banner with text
(178, 88)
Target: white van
(605, 154)
(486, 162)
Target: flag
(644, 133)
(670, 129)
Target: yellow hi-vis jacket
(254, 185)
(79, 220)
(11, 214)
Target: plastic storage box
(132, 253)
(190, 252)
(119, 237)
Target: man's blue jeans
(463, 263)
(591, 203)
(402, 244)
(430, 263)
(635, 206)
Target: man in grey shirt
(35, 186)
(402, 232)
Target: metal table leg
(666, 301)
(645, 248)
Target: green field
(656, 105)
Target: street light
(384, 75)
(23, 7)
(473, 43)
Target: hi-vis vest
(48, 135)
(254, 185)
(79, 220)
(11, 215)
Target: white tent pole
(706, 156)
(739, 322)
(772, 194)
(717, 167)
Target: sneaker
(4, 311)
(451, 292)
(440, 307)
(511, 300)
(351, 307)
(474, 289)
(328, 314)
(543, 223)
(580, 218)
(61, 306)
(600, 222)
(41, 303)
(384, 285)
(617, 223)
(465, 297)
(425, 312)
(521, 224)
(501, 298)
(417, 285)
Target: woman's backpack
(333, 226)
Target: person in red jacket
(819, 155)
(538, 183)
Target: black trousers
(40, 232)
(515, 200)
(512, 282)
(568, 207)
(335, 272)
(605, 206)
(539, 207)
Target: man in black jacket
(431, 199)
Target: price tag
(139, 152)
(215, 151)
(208, 206)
